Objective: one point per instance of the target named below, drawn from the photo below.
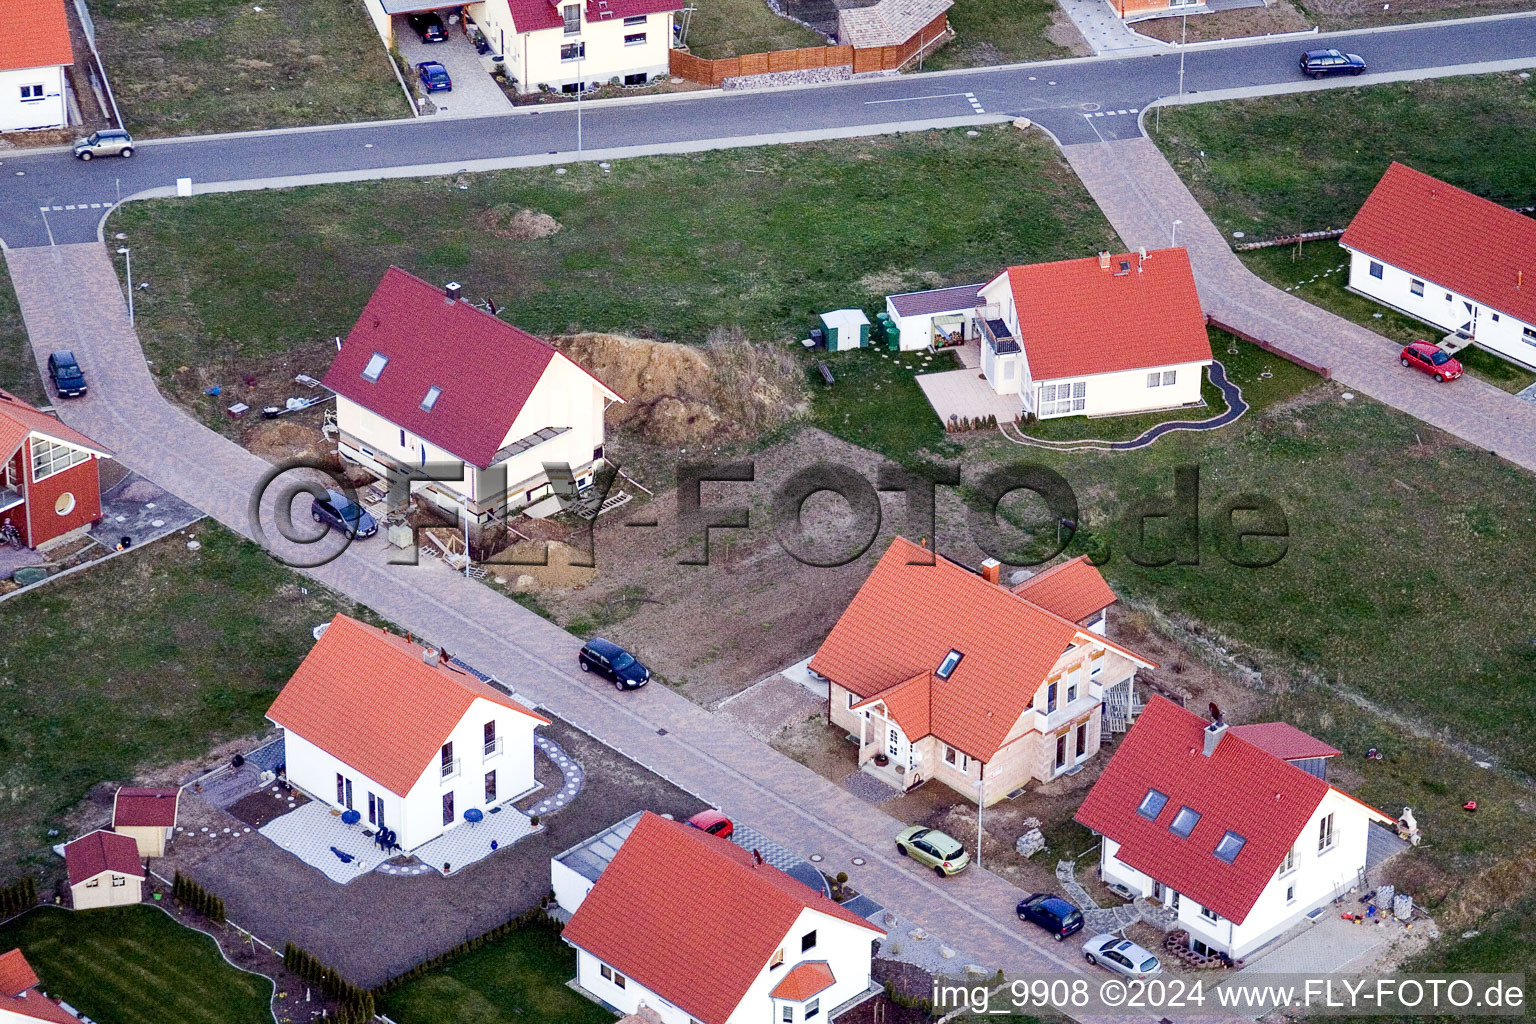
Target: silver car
(107, 142)
(1122, 956)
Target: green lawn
(763, 239)
(876, 403)
(998, 32)
(135, 965)
(18, 369)
(521, 976)
(181, 67)
(729, 28)
(167, 651)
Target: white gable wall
(17, 114)
(1504, 336)
(1127, 391)
(533, 57)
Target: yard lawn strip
(136, 965)
(183, 67)
(523, 973)
(730, 28)
(724, 237)
(171, 651)
(1333, 16)
(18, 367)
(999, 32)
(877, 404)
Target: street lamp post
(580, 88)
(1173, 242)
(128, 262)
(981, 800)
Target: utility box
(846, 328)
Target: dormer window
(1230, 846)
(947, 666)
(1152, 804)
(432, 394)
(375, 367)
(1184, 822)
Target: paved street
(1077, 100)
(70, 297)
(1142, 196)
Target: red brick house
(49, 486)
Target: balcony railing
(451, 769)
(492, 749)
(9, 498)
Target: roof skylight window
(375, 367)
(947, 666)
(432, 394)
(1184, 822)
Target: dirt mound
(519, 225)
(679, 394)
(559, 573)
(277, 439)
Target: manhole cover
(661, 732)
(816, 858)
(858, 862)
(1090, 107)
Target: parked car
(1052, 913)
(428, 26)
(713, 822)
(107, 142)
(1122, 956)
(1318, 63)
(613, 662)
(68, 378)
(339, 512)
(929, 846)
(434, 77)
(1432, 359)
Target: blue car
(1318, 63)
(339, 512)
(434, 77)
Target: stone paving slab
(311, 832)
(570, 773)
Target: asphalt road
(50, 197)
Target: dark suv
(613, 662)
(428, 26)
(339, 512)
(1052, 913)
(1318, 63)
(66, 374)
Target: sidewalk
(1142, 196)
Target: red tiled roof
(16, 975)
(1283, 740)
(485, 367)
(529, 15)
(100, 851)
(1076, 318)
(18, 419)
(906, 618)
(33, 1005)
(1450, 237)
(33, 34)
(146, 806)
(1240, 787)
(1073, 589)
(629, 8)
(366, 697)
(691, 917)
(804, 980)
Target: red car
(1421, 355)
(713, 822)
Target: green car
(929, 846)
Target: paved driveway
(474, 93)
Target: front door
(1470, 312)
(1082, 740)
(893, 741)
(348, 801)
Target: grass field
(763, 239)
(18, 370)
(729, 28)
(167, 652)
(181, 67)
(521, 976)
(1004, 32)
(135, 965)
(1340, 14)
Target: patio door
(348, 800)
(1082, 740)
(1061, 751)
(375, 810)
(448, 808)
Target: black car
(66, 374)
(339, 512)
(613, 662)
(1318, 63)
(1052, 913)
(428, 26)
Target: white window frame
(1288, 863)
(634, 39)
(1210, 915)
(635, 21)
(31, 93)
(1416, 287)
(579, 51)
(812, 1008)
(572, 26)
(1290, 893)
(50, 458)
(1376, 270)
(1327, 838)
(957, 759)
(1528, 335)
(1063, 399)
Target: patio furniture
(350, 817)
(474, 815)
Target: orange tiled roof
(691, 917)
(16, 975)
(804, 980)
(36, 34)
(18, 419)
(910, 702)
(366, 697)
(1073, 589)
(1076, 318)
(907, 617)
(33, 1005)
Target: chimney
(1104, 260)
(429, 655)
(1215, 731)
(1141, 258)
(451, 291)
(991, 571)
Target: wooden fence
(861, 59)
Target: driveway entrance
(474, 91)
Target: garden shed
(846, 328)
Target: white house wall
(570, 887)
(1126, 391)
(17, 114)
(382, 23)
(1504, 336)
(533, 58)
